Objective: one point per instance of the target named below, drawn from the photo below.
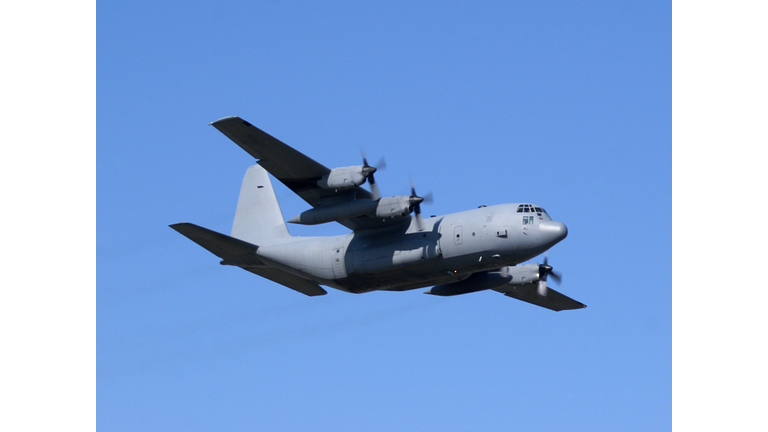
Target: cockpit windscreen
(530, 208)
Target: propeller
(368, 171)
(544, 271)
(415, 202)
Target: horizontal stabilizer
(227, 248)
(243, 254)
(553, 300)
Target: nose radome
(552, 231)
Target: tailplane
(231, 250)
(258, 216)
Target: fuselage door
(457, 239)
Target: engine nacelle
(344, 178)
(476, 282)
(386, 207)
(335, 212)
(394, 206)
(523, 274)
(498, 280)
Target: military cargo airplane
(391, 246)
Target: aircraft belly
(399, 281)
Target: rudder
(258, 216)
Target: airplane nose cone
(551, 232)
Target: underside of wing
(296, 283)
(553, 300)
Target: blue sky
(567, 105)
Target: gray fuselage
(446, 249)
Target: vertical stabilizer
(258, 216)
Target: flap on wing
(554, 300)
(293, 282)
(229, 249)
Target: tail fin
(258, 216)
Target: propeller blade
(374, 188)
(556, 276)
(427, 198)
(368, 171)
(542, 288)
(419, 224)
(416, 203)
(504, 271)
(545, 270)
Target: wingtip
(223, 119)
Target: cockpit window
(529, 208)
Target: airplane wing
(242, 254)
(297, 171)
(554, 300)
